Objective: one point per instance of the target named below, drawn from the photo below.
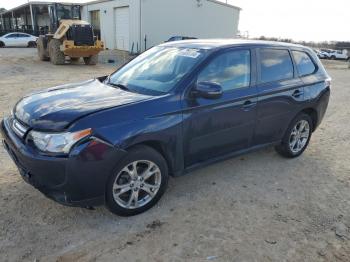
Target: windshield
(68, 11)
(157, 70)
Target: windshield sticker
(193, 53)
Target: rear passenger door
(280, 94)
(22, 40)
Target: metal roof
(225, 4)
(37, 3)
(214, 1)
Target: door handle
(297, 93)
(248, 105)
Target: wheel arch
(161, 148)
(313, 114)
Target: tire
(333, 57)
(2, 44)
(91, 60)
(41, 49)
(31, 44)
(143, 157)
(57, 57)
(286, 148)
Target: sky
(308, 20)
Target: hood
(55, 108)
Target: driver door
(215, 127)
(11, 40)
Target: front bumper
(76, 180)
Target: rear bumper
(77, 180)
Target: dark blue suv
(179, 106)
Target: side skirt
(224, 157)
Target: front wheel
(138, 182)
(297, 137)
(57, 57)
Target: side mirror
(208, 90)
(102, 78)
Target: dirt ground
(258, 207)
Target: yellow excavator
(68, 36)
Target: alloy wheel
(137, 184)
(299, 136)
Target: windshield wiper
(121, 86)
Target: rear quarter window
(275, 65)
(304, 63)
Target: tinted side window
(231, 70)
(304, 63)
(23, 35)
(275, 65)
(11, 36)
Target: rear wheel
(41, 49)
(31, 44)
(297, 137)
(57, 57)
(138, 182)
(91, 60)
(2, 44)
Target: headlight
(59, 142)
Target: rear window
(276, 65)
(304, 63)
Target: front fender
(161, 130)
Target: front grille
(82, 35)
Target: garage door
(121, 15)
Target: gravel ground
(258, 207)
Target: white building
(136, 25)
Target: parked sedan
(18, 40)
(323, 54)
(179, 106)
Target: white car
(18, 39)
(322, 54)
(339, 54)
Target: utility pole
(31, 16)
